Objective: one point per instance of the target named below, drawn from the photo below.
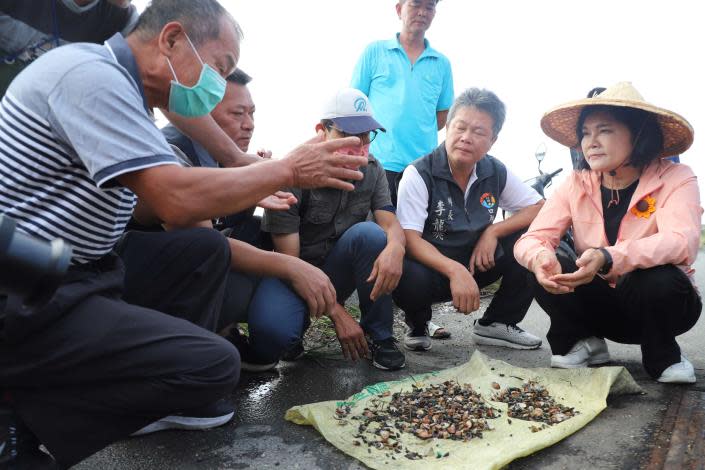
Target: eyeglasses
(365, 138)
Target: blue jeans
(277, 317)
(349, 264)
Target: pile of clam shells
(447, 410)
(532, 402)
(443, 411)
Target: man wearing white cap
(329, 228)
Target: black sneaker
(295, 352)
(248, 361)
(386, 354)
(206, 417)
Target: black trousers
(182, 272)
(247, 228)
(421, 286)
(150, 255)
(649, 307)
(90, 368)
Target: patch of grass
(491, 289)
(354, 311)
(324, 327)
(702, 236)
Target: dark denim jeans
(349, 264)
(277, 317)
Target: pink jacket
(669, 235)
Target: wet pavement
(628, 434)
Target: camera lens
(30, 267)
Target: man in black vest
(447, 204)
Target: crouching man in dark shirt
(329, 228)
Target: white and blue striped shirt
(71, 123)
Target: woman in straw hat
(636, 224)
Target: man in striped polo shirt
(77, 145)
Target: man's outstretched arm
(184, 196)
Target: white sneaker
(206, 417)
(678, 373)
(500, 334)
(586, 352)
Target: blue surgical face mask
(199, 99)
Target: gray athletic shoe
(418, 342)
(500, 334)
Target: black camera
(30, 268)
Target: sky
(532, 54)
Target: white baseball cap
(351, 112)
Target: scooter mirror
(540, 152)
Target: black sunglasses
(365, 137)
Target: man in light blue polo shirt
(410, 86)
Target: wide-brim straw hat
(560, 122)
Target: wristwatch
(607, 267)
